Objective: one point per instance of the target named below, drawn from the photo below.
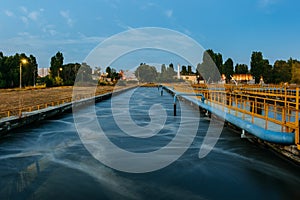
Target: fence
(277, 105)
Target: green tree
(56, 63)
(29, 70)
(217, 58)
(190, 71)
(115, 75)
(241, 69)
(2, 81)
(108, 71)
(69, 73)
(267, 71)
(85, 73)
(183, 70)
(260, 67)
(10, 70)
(208, 68)
(170, 71)
(146, 73)
(167, 74)
(295, 68)
(163, 69)
(282, 72)
(228, 69)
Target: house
(242, 78)
(189, 78)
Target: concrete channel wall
(9, 123)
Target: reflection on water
(48, 161)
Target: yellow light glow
(24, 61)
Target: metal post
(252, 113)
(266, 115)
(297, 120)
(20, 75)
(236, 105)
(285, 107)
(34, 71)
(175, 109)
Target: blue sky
(234, 28)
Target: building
(242, 78)
(42, 72)
(189, 78)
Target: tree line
(281, 71)
(60, 73)
(10, 70)
(212, 67)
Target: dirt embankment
(15, 101)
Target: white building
(42, 72)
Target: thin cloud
(266, 3)
(43, 46)
(148, 5)
(122, 25)
(24, 20)
(66, 16)
(50, 29)
(169, 13)
(33, 15)
(9, 13)
(27, 16)
(24, 9)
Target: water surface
(49, 161)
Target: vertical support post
(244, 108)
(297, 120)
(229, 106)
(252, 113)
(20, 75)
(266, 115)
(236, 105)
(174, 108)
(255, 105)
(275, 110)
(282, 119)
(285, 106)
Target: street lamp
(22, 61)
(60, 69)
(34, 71)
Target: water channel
(49, 161)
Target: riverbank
(23, 107)
(16, 101)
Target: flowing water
(49, 161)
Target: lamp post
(23, 61)
(60, 69)
(34, 71)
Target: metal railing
(276, 105)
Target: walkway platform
(236, 110)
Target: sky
(234, 28)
